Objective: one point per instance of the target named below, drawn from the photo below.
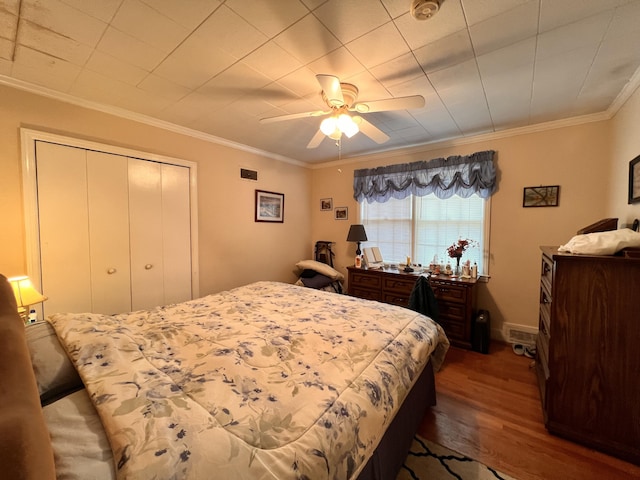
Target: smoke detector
(424, 9)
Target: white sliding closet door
(114, 231)
(160, 237)
(64, 228)
(176, 243)
(107, 195)
(145, 224)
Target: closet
(114, 231)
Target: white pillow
(602, 243)
(320, 267)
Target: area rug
(428, 460)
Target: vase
(457, 272)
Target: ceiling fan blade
(316, 140)
(332, 89)
(400, 103)
(370, 130)
(292, 116)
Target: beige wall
(589, 162)
(576, 158)
(625, 146)
(233, 248)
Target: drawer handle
(148, 266)
(545, 268)
(111, 271)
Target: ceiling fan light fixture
(329, 125)
(347, 125)
(336, 134)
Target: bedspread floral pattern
(264, 381)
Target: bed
(265, 381)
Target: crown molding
(624, 95)
(457, 141)
(140, 118)
(391, 152)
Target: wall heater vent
(520, 334)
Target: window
(424, 227)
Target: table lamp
(357, 234)
(26, 295)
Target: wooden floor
(489, 409)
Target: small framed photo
(269, 206)
(634, 180)
(326, 204)
(341, 213)
(541, 196)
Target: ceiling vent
(424, 9)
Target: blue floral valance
(460, 175)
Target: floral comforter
(265, 381)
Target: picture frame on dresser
(634, 180)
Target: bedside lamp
(357, 234)
(26, 295)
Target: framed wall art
(546, 196)
(326, 204)
(341, 213)
(269, 206)
(634, 180)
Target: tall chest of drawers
(587, 360)
(456, 297)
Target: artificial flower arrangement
(457, 249)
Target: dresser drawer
(545, 309)
(451, 310)
(448, 292)
(395, 299)
(542, 343)
(454, 329)
(365, 293)
(400, 285)
(364, 280)
(546, 272)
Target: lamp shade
(357, 234)
(25, 292)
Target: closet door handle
(148, 266)
(111, 271)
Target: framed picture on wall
(341, 213)
(326, 204)
(541, 196)
(634, 180)
(269, 206)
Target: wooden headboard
(603, 225)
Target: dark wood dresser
(588, 359)
(456, 297)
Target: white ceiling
(218, 66)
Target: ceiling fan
(341, 99)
